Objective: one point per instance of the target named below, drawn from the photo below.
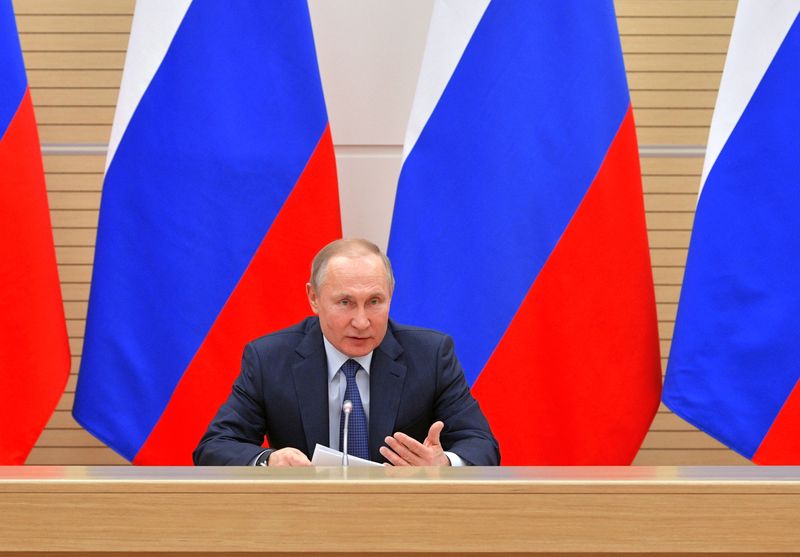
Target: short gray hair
(347, 246)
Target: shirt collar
(336, 359)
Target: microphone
(347, 407)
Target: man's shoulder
(410, 333)
(288, 337)
(419, 344)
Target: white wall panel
(369, 52)
(367, 183)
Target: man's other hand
(288, 456)
(403, 450)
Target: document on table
(325, 456)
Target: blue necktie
(358, 434)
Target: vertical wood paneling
(74, 51)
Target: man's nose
(360, 319)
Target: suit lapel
(386, 378)
(311, 385)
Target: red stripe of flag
(576, 378)
(781, 444)
(269, 296)
(34, 351)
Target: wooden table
(489, 511)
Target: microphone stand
(347, 407)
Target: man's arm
(465, 430)
(236, 435)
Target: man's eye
(344, 302)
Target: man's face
(352, 302)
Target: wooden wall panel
(674, 54)
(75, 50)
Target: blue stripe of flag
(13, 81)
(211, 153)
(502, 164)
(735, 353)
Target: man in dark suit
(411, 403)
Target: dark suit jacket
(282, 392)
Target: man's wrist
(454, 459)
(263, 458)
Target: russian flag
(220, 187)
(734, 366)
(519, 226)
(34, 351)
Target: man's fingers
(299, 459)
(401, 444)
(288, 456)
(404, 450)
(420, 451)
(392, 457)
(432, 439)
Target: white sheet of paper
(325, 456)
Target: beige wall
(369, 53)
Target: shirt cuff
(455, 460)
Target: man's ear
(313, 301)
